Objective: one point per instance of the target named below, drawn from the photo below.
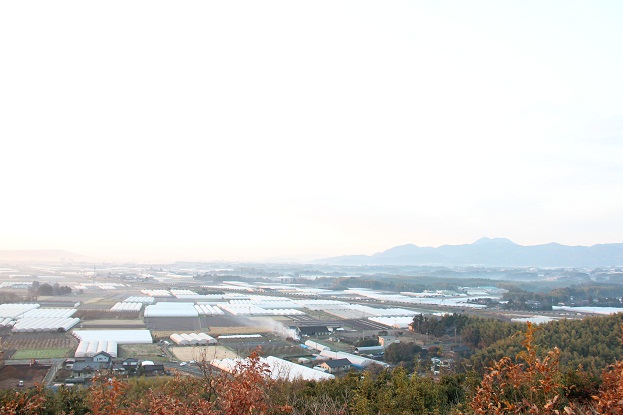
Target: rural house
(312, 330)
(337, 365)
(91, 365)
(102, 357)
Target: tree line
(527, 370)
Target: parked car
(183, 363)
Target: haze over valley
(329, 207)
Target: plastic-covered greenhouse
(43, 324)
(191, 339)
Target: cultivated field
(41, 354)
(38, 345)
(113, 324)
(213, 331)
(199, 352)
(10, 375)
(141, 351)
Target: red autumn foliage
(242, 392)
(531, 387)
(609, 401)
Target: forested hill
(492, 252)
(533, 384)
(593, 343)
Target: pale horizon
(168, 257)
(254, 130)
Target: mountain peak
(399, 250)
(494, 252)
(497, 241)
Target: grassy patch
(40, 354)
(143, 351)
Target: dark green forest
(564, 367)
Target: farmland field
(199, 352)
(39, 341)
(214, 331)
(40, 354)
(142, 351)
(31, 375)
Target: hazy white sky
(248, 130)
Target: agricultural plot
(38, 345)
(364, 324)
(31, 375)
(106, 314)
(215, 331)
(140, 351)
(113, 324)
(200, 353)
(41, 354)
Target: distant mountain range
(492, 252)
(42, 255)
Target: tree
(45, 289)
(532, 387)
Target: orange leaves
(246, 392)
(243, 392)
(531, 387)
(534, 387)
(28, 403)
(609, 401)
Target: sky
(247, 130)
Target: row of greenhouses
(157, 293)
(139, 299)
(4, 322)
(127, 306)
(208, 310)
(166, 309)
(122, 336)
(50, 313)
(15, 310)
(269, 303)
(43, 325)
(89, 348)
(192, 339)
(253, 310)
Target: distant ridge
(54, 256)
(492, 252)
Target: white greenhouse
(127, 306)
(254, 310)
(396, 322)
(90, 348)
(140, 336)
(279, 369)
(166, 309)
(157, 293)
(44, 325)
(179, 340)
(209, 339)
(316, 346)
(208, 310)
(137, 299)
(4, 322)
(177, 293)
(50, 313)
(191, 339)
(15, 310)
(353, 359)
